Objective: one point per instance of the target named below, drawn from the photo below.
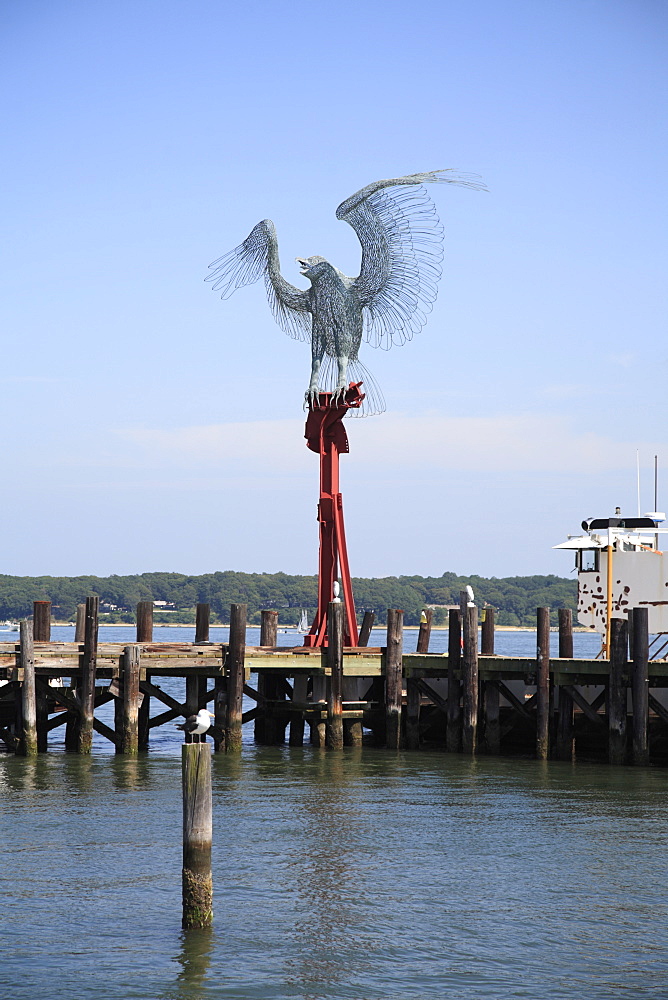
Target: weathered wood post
(542, 683)
(617, 692)
(640, 686)
(129, 736)
(454, 719)
(80, 627)
(265, 727)
(412, 713)
(89, 666)
(490, 691)
(145, 621)
(487, 632)
(144, 717)
(565, 743)
(365, 630)
(412, 684)
(202, 620)
(235, 677)
(334, 731)
(393, 678)
(41, 613)
(353, 730)
(424, 632)
(27, 743)
(470, 676)
(197, 881)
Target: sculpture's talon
(311, 398)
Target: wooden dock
(463, 700)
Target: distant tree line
(515, 598)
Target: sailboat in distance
(303, 627)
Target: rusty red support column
(326, 436)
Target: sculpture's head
(314, 267)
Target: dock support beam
(490, 691)
(235, 677)
(87, 689)
(393, 678)
(470, 676)
(542, 683)
(27, 737)
(454, 720)
(565, 745)
(617, 692)
(640, 686)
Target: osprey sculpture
(401, 237)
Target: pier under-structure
(465, 700)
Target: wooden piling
(197, 881)
(144, 717)
(489, 697)
(470, 678)
(565, 633)
(267, 727)
(640, 686)
(129, 735)
(365, 630)
(393, 678)
(412, 714)
(487, 633)
(89, 666)
(41, 613)
(565, 745)
(352, 728)
(617, 692)
(42, 717)
(27, 742)
(424, 633)
(454, 719)
(145, 621)
(297, 723)
(235, 677)
(202, 620)
(334, 730)
(542, 683)
(80, 627)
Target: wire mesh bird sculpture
(387, 303)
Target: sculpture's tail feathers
(374, 401)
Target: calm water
(363, 875)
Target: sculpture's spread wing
(401, 239)
(257, 256)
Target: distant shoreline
(293, 628)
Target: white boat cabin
(626, 552)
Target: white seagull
(196, 725)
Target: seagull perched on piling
(196, 725)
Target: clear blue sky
(147, 425)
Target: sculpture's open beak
(304, 265)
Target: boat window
(587, 560)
